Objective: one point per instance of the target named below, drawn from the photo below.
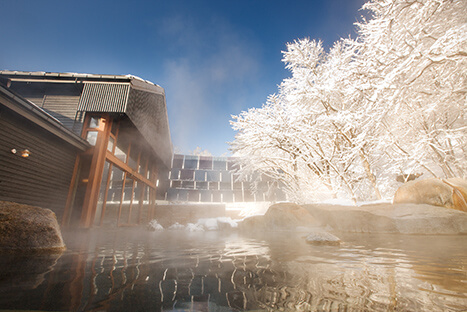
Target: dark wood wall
(44, 177)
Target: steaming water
(136, 270)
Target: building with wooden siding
(97, 145)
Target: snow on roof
(136, 82)
(140, 79)
(74, 75)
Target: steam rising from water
(204, 224)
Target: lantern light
(23, 153)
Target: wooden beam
(133, 173)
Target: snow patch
(155, 226)
(191, 227)
(205, 224)
(216, 224)
(176, 226)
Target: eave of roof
(37, 115)
(39, 76)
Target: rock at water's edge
(322, 238)
(449, 193)
(252, 223)
(29, 228)
(283, 216)
(391, 218)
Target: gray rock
(24, 227)
(322, 238)
(391, 218)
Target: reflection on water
(134, 270)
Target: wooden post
(71, 194)
(104, 204)
(95, 172)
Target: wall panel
(43, 178)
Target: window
(200, 175)
(174, 174)
(213, 185)
(219, 164)
(114, 195)
(121, 150)
(213, 176)
(176, 184)
(216, 196)
(142, 164)
(114, 128)
(148, 172)
(182, 195)
(94, 122)
(110, 145)
(172, 194)
(187, 174)
(127, 201)
(193, 196)
(137, 202)
(188, 184)
(227, 197)
(101, 200)
(205, 162)
(226, 176)
(191, 162)
(202, 185)
(91, 137)
(134, 154)
(177, 161)
(225, 186)
(206, 196)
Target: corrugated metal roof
(104, 97)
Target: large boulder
(253, 223)
(24, 227)
(448, 193)
(283, 216)
(391, 218)
(460, 189)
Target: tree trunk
(370, 175)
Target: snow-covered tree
(198, 151)
(413, 54)
(350, 119)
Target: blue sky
(213, 58)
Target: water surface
(131, 269)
